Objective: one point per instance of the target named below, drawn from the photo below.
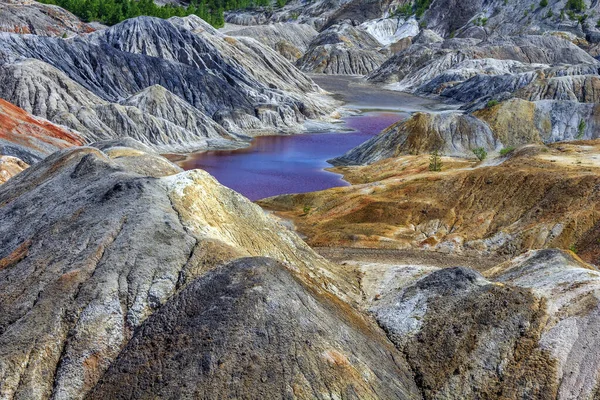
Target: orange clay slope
(30, 138)
(537, 197)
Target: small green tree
(544, 3)
(581, 129)
(435, 162)
(480, 153)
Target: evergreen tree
(111, 12)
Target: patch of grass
(573, 248)
(306, 209)
(507, 150)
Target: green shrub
(576, 5)
(480, 153)
(405, 10)
(306, 209)
(492, 103)
(544, 3)
(421, 6)
(506, 150)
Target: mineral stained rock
(29, 138)
(535, 197)
(10, 166)
(252, 330)
(524, 329)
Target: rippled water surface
(275, 165)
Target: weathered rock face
(480, 18)
(514, 122)
(144, 52)
(154, 116)
(29, 138)
(26, 16)
(115, 233)
(540, 197)
(451, 133)
(515, 333)
(342, 49)
(242, 322)
(10, 166)
(315, 13)
(360, 11)
(467, 337)
(570, 289)
(463, 59)
(288, 39)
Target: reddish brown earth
(20, 130)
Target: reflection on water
(276, 165)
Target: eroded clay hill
(132, 279)
(95, 240)
(177, 85)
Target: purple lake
(275, 165)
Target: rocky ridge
(31, 17)
(183, 62)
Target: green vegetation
(581, 129)
(492, 103)
(576, 5)
(405, 10)
(417, 8)
(421, 6)
(506, 150)
(306, 209)
(435, 162)
(480, 153)
(111, 12)
(481, 21)
(544, 3)
(573, 248)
